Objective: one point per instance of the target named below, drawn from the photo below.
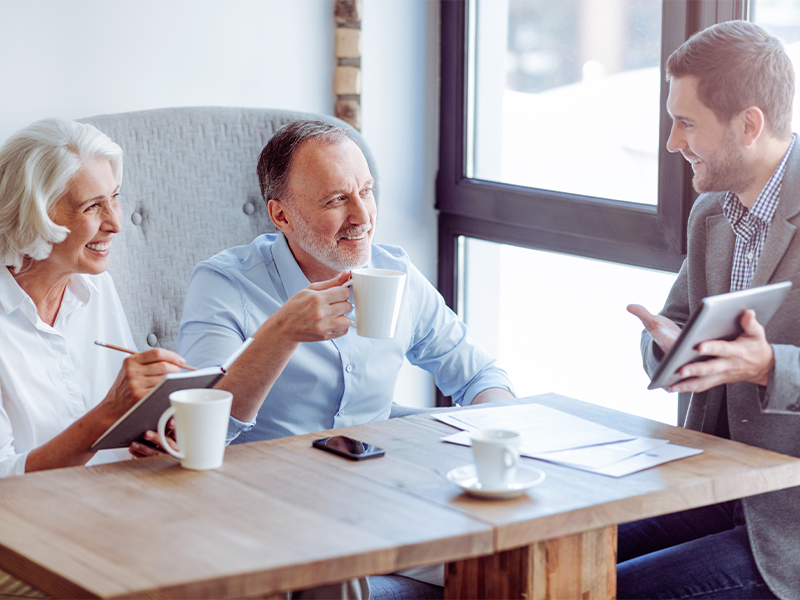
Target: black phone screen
(348, 447)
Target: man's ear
(753, 122)
(279, 215)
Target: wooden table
(281, 515)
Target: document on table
(554, 436)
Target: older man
(731, 92)
(307, 370)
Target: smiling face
(91, 212)
(329, 219)
(712, 148)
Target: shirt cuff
(782, 394)
(13, 465)
(235, 427)
(487, 383)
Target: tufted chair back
(189, 191)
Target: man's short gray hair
(36, 166)
(275, 161)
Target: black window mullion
(624, 232)
(631, 233)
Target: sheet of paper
(543, 429)
(593, 459)
(590, 457)
(645, 460)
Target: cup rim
(376, 272)
(503, 436)
(209, 395)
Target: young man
(731, 93)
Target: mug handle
(349, 283)
(509, 458)
(162, 425)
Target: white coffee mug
(496, 453)
(376, 295)
(201, 426)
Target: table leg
(580, 566)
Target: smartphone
(348, 447)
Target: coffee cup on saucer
(496, 453)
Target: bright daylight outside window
(566, 95)
(782, 19)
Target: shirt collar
(79, 291)
(767, 202)
(81, 287)
(11, 295)
(290, 272)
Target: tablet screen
(717, 319)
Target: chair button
(249, 208)
(152, 339)
(136, 218)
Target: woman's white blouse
(52, 376)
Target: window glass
(557, 323)
(782, 19)
(564, 95)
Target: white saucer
(465, 478)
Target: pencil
(113, 347)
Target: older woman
(59, 213)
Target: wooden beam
(576, 566)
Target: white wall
(77, 58)
(400, 104)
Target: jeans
(699, 553)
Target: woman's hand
(153, 447)
(139, 373)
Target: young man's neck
(774, 149)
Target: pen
(113, 347)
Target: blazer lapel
(781, 230)
(719, 254)
(780, 235)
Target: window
(782, 19)
(552, 148)
(560, 84)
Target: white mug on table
(376, 295)
(201, 426)
(496, 453)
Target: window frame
(628, 233)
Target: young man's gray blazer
(773, 520)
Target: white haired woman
(59, 213)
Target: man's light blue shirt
(335, 383)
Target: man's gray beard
(342, 263)
(328, 256)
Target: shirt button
(349, 368)
(750, 255)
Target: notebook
(143, 416)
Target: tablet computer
(717, 319)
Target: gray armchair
(189, 191)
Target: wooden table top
(266, 521)
(282, 515)
(569, 501)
